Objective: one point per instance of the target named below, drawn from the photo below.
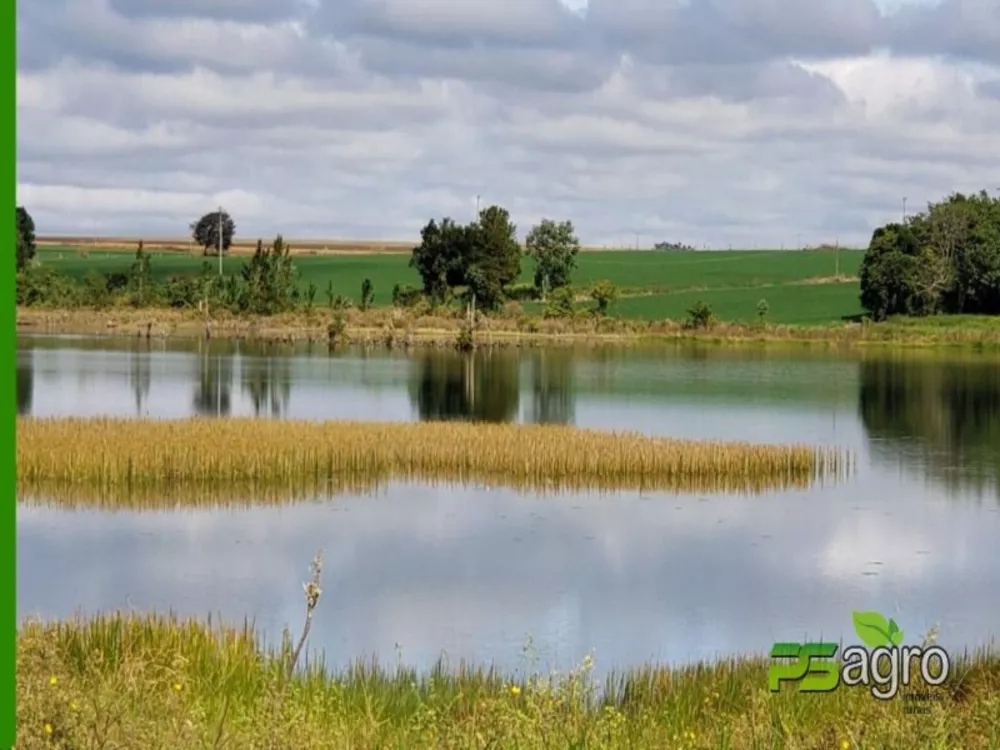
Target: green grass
(665, 271)
(803, 304)
(723, 279)
(159, 682)
(347, 272)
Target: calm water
(471, 572)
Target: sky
(744, 123)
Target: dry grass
(131, 681)
(399, 328)
(244, 246)
(118, 459)
(239, 247)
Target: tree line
(943, 260)
(476, 263)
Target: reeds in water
(113, 460)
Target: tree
(945, 260)
(438, 257)
(484, 257)
(604, 293)
(269, 279)
(554, 247)
(367, 294)
(140, 278)
(205, 232)
(25, 238)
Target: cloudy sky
(710, 122)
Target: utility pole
(904, 209)
(220, 241)
(477, 208)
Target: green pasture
(664, 271)
(670, 282)
(804, 304)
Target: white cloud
(735, 123)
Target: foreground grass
(118, 460)
(159, 682)
(400, 328)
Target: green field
(654, 285)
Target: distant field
(239, 247)
(798, 285)
(812, 304)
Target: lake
(417, 572)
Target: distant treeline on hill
(672, 246)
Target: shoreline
(180, 682)
(392, 328)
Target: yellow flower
(177, 686)
(73, 706)
(515, 690)
(48, 729)
(844, 744)
(53, 680)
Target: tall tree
(438, 257)
(205, 232)
(554, 247)
(944, 260)
(25, 237)
(484, 257)
(493, 256)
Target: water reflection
(267, 382)
(484, 386)
(213, 384)
(942, 416)
(140, 375)
(472, 572)
(25, 380)
(552, 398)
(927, 418)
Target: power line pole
(904, 209)
(220, 241)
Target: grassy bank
(402, 328)
(157, 682)
(118, 459)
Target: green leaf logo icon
(875, 631)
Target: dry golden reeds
(126, 461)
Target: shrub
(604, 293)
(762, 310)
(700, 315)
(405, 295)
(560, 304)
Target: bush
(41, 286)
(465, 341)
(762, 309)
(700, 315)
(336, 332)
(561, 303)
(604, 293)
(367, 294)
(521, 292)
(405, 295)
